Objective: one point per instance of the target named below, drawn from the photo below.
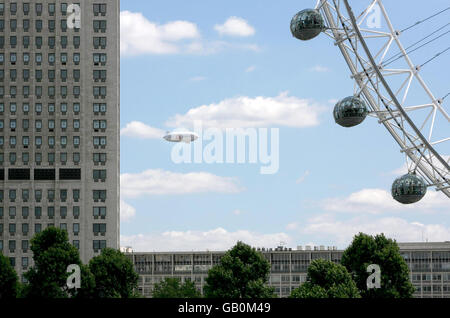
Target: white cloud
(215, 240)
(235, 26)
(319, 69)
(161, 182)
(140, 130)
(245, 112)
(127, 212)
(303, 177)
(400, 229)
(380, 201)
(250, 69)
(237, 212)
(138, 35)
(292, 226)
(203, 47)
(197, 78)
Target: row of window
(51, 124)
(98, 212)
(97, 124)
(39, 42)
(51, 158)
(97, 195)
(63, 141)
(38, 195)
(98, 228)
(98, 58)
(98, 75)
(99, 25)
(98, 158)
(98, 8)
(98, 108)
(98, 42)
(39, 8)
(97, 246)
(51, 141)
(98, 91)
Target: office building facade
(429, 265)
(59, 124)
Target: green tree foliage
(172, 288)
(9, 284)
(52, 254)
(384, 252)
(114, 274)
(326, 279)
(241, 273)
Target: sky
(235, 64)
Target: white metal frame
(373, 83)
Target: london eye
(388, 87)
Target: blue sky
(332, 182)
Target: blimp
(181, 136)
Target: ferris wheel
(389, 87)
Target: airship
(181, 136)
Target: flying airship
(178, 136)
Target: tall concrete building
(59, 124)
(428, 263)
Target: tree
(365, 250)
(9, 284)
(52, 254)
(114, 275)
(241, 273)
(326, 279)
(172, 288)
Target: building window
(25, 228)
(76, 212)
(12, 197)
(38, 212)
(25, 195)
(63, 158)
(12, 246)
(76, 44)
(25, 212)
(51, 195)
(76, 228)
(76, 195)
(12, 229)
(99, 175)
(51, 212)
(99, 195)
(38, 195)
(63, 195)
(76, 243)
(25, 246)
(76, 157)
(24, 262)
(12, 212)
(13, 8)
(38, 8)
(63, 212)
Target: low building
(429, 265)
